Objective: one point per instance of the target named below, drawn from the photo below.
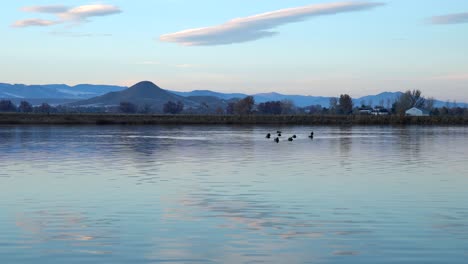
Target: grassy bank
(124, 119)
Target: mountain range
(56, 91)
(150, 94)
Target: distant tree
(145, 109)
(230, 108)
(25, 107)
(416, 99)
(244, 106)
(173, 108)
(219, 110)
(44, 108)
(287, 107)
(447, 104)
(429, 103)
(333, 105)
(458, 111)
(345, 104)
(314, 109)
(270, 108)
(204, 108)
(381, 102)
(7, 106)
(62, 109)
(409, 100)
(389, 103)
(444, 111)
(127, 107)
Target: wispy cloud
(66, 14)
(52, 9)
(259, 26)
(456, 18)
(82, 13)
(34, 22)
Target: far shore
(147, 119)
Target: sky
(308, 47)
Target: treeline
(24, 107)
(342, 105)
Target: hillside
(142, 93)
(55, 91)
(203, 93)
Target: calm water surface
(225, 194)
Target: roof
(424, 111)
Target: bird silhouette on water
(294, 136)
(311, 135)
(290, 139)
(268, 135)
(277, 140)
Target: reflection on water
(200, 194)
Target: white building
(417, 112)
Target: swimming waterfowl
(294, 136)
(277, 140)
(311, 135)
(279, 134)
(268, 135)
(290, 139)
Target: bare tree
(173, 108)
(244, 106)
(127, 107)
(429, 104)
(346, 104)
(287, 107)
(270, 108)
(333, 105)
(25, 107)
(389, 103)
(44, 108)
(7, 106)
(408, 100)
(230, 108)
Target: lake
(226, 194)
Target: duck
(294, 136)
(277, 140)
(268, 135)
(290, 139)
(311, 135)
(279, 134)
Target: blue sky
(318, 48)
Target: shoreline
(148, 119)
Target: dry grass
(127, 119)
